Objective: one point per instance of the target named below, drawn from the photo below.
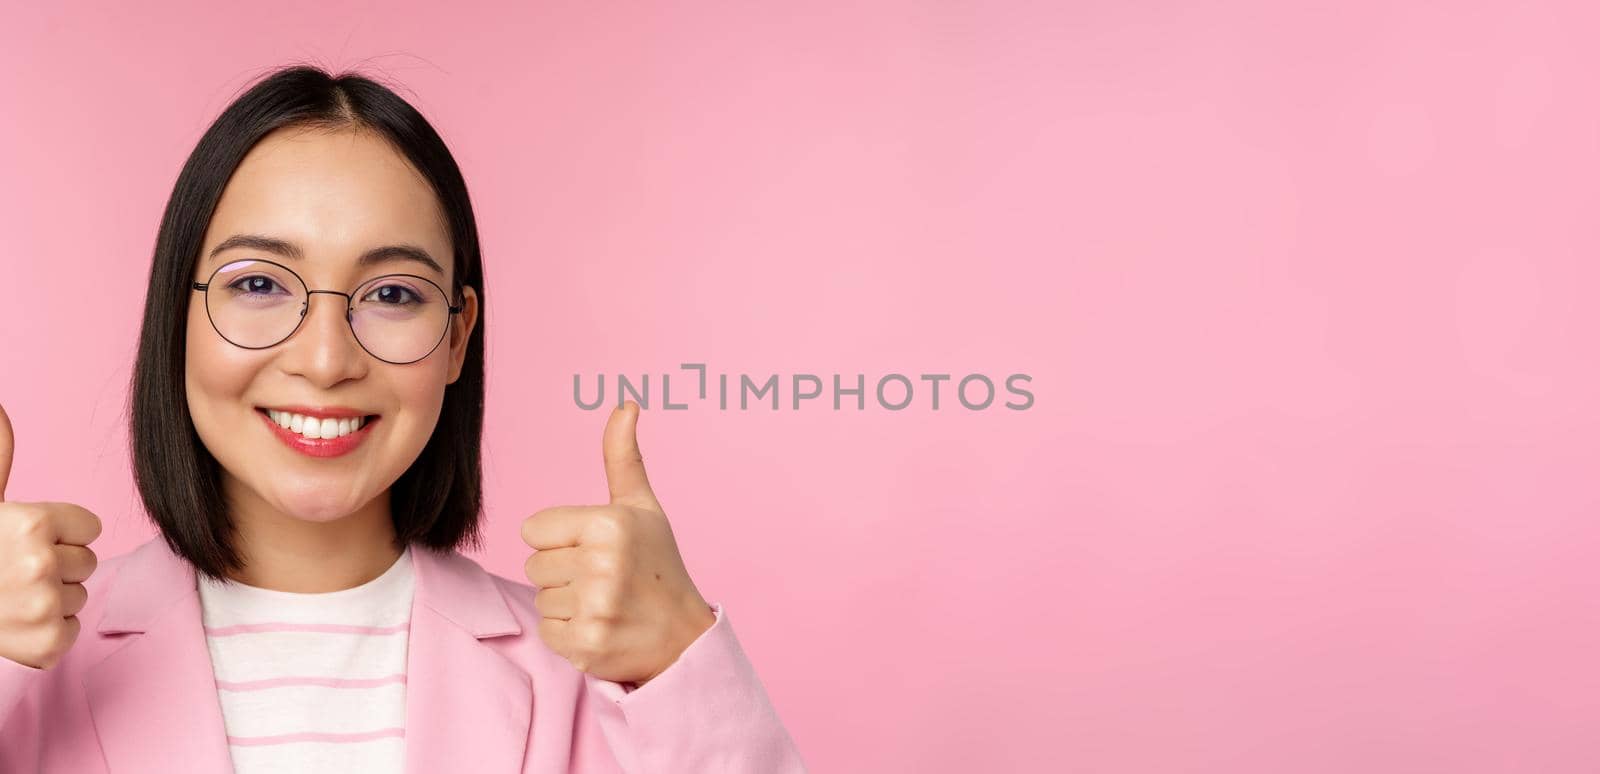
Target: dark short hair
(437, 502)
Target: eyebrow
(377, 255)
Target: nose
(324, 349)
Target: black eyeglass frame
(349, 309)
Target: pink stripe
(226, 631)
(312, 736)
(327, 682)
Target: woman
(307, 408)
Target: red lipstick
(320, 447)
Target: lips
(321, 447)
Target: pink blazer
(136, 693)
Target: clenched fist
(44, 560)
(614, 597)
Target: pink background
(1307, 296)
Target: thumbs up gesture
(44, 560)
(614, 597)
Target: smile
(326, 434)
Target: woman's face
(334, 196)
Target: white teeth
(314, 427)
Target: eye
(393, 295)
(254, 285)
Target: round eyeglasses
(397, 318)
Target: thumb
(8, 445)
(624, 464)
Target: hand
(614, 596)
(44, 560)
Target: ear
(461, 331)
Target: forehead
(335, 195)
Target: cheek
(216, 373)
(420, 394)
(417, 392)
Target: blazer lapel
(468, 708)
(154, 701)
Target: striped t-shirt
(312, 682)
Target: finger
(75, 525)
(556, 634)
(556, 527)
(73, 597)
(558, 602)
(77, 563)
(8, 443)
(553, 566)
(625, 475)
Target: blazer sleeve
(706, 712)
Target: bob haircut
(437, 501)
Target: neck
(286, 553)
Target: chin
(317, 513)
(317, 504)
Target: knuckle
(40, 607)
(626, 517)
(608, 524)
(39, 566)
(591, 635)
(605, 609)
(605, 563)
(31, 519)
(600, 603)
